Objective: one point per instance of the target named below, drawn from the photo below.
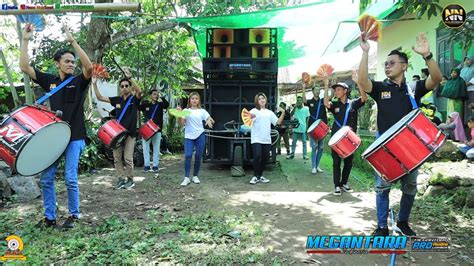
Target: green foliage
(217, 7)
(157, 237)
(92, 157)
(175, 134)
(445, 181)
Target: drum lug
(396, 159)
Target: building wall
(403, 34)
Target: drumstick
(115, 62)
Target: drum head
(339, 135)
(387, 135)
(43, 148)
(313, 126)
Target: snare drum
(112, 133)
(32, 138)
(148, 130)
(404, 146)
(318, 130)
(344, 142)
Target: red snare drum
(32, 138)
(149, 129)
(344, 142)
(318, 130)
(404, 146)
(112, 133)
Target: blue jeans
(316, 151)
(156, 141)
(72, 155)
(467, 150)
(189, 146)
(406, 203)
(296, 136)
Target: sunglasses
(124, 86)
(392, 63)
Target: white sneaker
(186, 181)
(254, 180)
(320, 170)
(196, 180)
(264, 180)
(337, 191)
(314, 171)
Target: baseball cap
(340, 84)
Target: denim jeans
(316, 151)
(156, 141)
(297, 136)
(72, 155)
(190, 145)
(406, 203)
(467, 150)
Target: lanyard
(154, 111)
(411, 96)
(125, 108)
(346, 115)
(317, 110)
(52, 92)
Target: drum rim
(344, 127)
(29, 139)
(369, 152)
(119, 135)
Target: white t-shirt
(193, 127)
(261, 126)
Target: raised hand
(127, 73)
(94, 80)
(67, 34)
(363, 42)
(27, 32)
(422, 45)
(355, 76)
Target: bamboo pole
(79, 8)
(16, 101)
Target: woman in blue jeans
(194, 137)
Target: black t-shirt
(313, 109)
(338, 109)
(147, 108)
(129, 119)
(70, 100)
(393, 101)
(287, 117)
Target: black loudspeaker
(223, 93)
(259, 36)
(222, 51)
(260, 51)
(241, 52)
(223, 113)
(223, 36)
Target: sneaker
(120, 184)
(314, 171)
(263, 180)
(45, 223)
(186, 181)
(337, 191)
(288, 152)
(69, 223)
(380, 232)
(346, 188)
(155, 170)
(167, 152)
(403, 228)
(319, 170)
(129, 184)
(278, 152)
(254, 180)
(196, 180)
(290, 156)
(146, 169)
(305, 157)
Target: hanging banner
(22, 9)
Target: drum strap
(53, 91)
(317, 110)
(125, 109)
(346, 115)
(154, 111)
(412, 97)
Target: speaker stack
(239, 63)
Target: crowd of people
(394, 97)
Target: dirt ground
(292, 206)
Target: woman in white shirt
(260, 135)
(194, 137)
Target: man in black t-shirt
(123, 154)
(316, 111)
(283, 130)
(395, 100)
(69, 100)
(153, 110)
(345, 112)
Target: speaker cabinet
(260, 51)
(223, 51)
(259, 36)
(223, 36)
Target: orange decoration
(99, 71)
(325, 70)
(246, 117)
(371, 26)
